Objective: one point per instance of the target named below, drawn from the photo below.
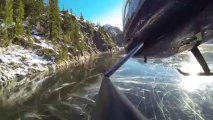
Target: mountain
(115, 33)
(34, 52)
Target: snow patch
(15, 60)
(96, 28)
(42, 42)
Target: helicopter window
(129, 10)
(133, 5)
(126, 12)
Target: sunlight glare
(192, 67)
(194, 82)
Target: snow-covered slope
(15, 61)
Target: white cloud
(113, 18)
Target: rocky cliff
(115, 33)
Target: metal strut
(196, 52)
(123, 60)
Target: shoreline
(48, 68)
(16, 92)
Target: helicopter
(156, 29)
(168, 27)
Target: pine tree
(34, 13)
(40, 9)
(2, 2)
(77, 38)
(81, 17)
(2, 18)
(18, 16)
(6, 21)
(9, 13)
(67, 26)
(54, 20)
(1, 11)
(9, 20)
(30, 10)
(28, 7)
(2, 26)
(71, 10)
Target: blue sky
(101, 11)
